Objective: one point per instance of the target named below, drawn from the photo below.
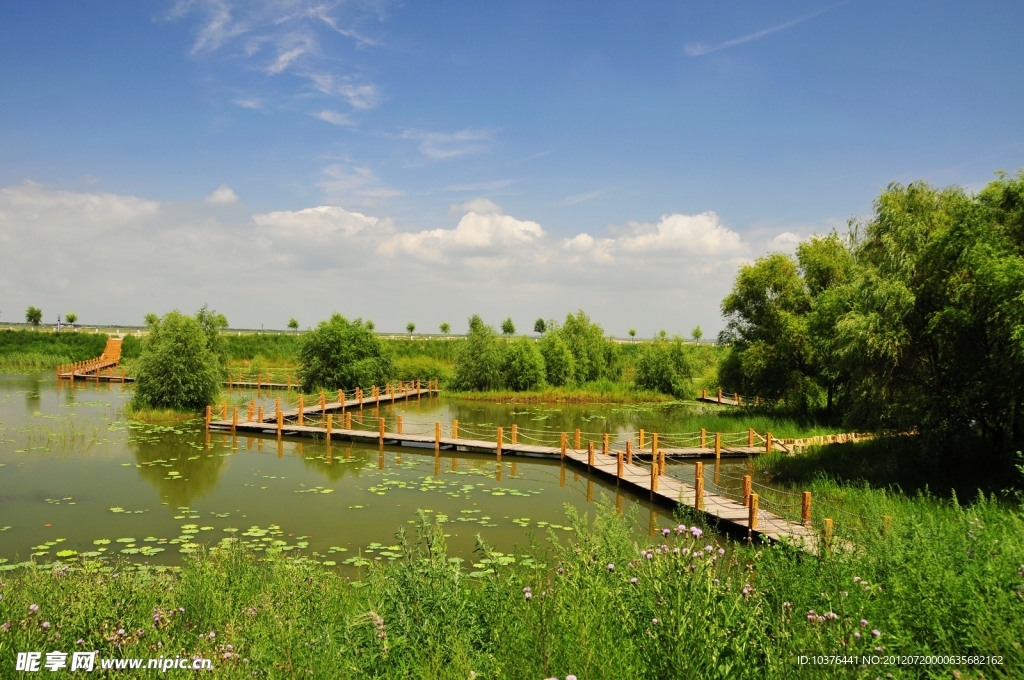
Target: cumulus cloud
(700, 234)
(309, 262)
(318, 223)
(475, 236)
(478, 205)
(224, 195)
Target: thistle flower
(634, 580)
(697, 533)
(33, 608)
(681, 529)
(611, 567)
(863, 623)
(46, 625)
(654, 621)
(876, 633)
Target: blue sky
(426, 161)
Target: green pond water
(78, 479)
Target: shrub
(343, 354)
(177, 368)
(478, 363)
(213, 323)
(663, 365)
(422, 368)
(594, 356)
(523, 366)
(131, 347)
(558, 362)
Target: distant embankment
(20, 350)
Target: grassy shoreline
(941, 578)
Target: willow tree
(343, 354)
(177, 368)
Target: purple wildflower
(857, 634)
(46, 625)
(682, 529)
(634, 580)
(570, 677)
(708, 548)
(747, 589)
(863, 623)
(721, 551)
(697, 533)
(876, 633)
(611, 567)
(33, 608)
(654, 621)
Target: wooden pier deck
(731, 515)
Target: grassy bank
(942, 579)
(32, 350)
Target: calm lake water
(75, 475)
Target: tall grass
(941, 579)
(26, 349)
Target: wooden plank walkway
(729, 514)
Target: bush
(664, 366)
(593, 355)
(479, 361)
(340, 355)
(523, 366)
(422, 368)
(131, 347)
(177, 368)
(559, 364)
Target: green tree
(697, 334)
(522, 367)
(558, 362)
(177, 369)
(539, 326)
(632, 334)
(410, 327)
(71, 318)
(445, 327)
(766, 329)
(508, 327)
(33, 315)
(214, 323)
(293, 324)
(370, 325)
(343, 354)
(479, 360)
(594, 357)
(151, 320)
(663, 366)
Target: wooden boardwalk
(730, 515)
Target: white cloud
(320, 222)
(480, 205)
(223, 195)
(291, 48)
(475, 236)
(30, 200)
(442, 145)
(700, 234)
(786, 241)
(340, 183)
(335, 118)
(250, 103)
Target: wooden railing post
(661, 462)
(380, 426)
(437, 435)
(640, 441)
(654, 444)
(455, 429)
(654, 476)
(398, 424)
(515, 433)
(746, 490)
(805, 509)
(698, 486)
(250, 411)
(280, 422)
(703, 438)
(750, 436)
(629, 452)
(330, 426)
(604, 444)
(301, 405)
(576, 444)
(562, 443)
(828, 533)
(718, 445)
(234, 419)
(768, 442)
(224, 411)
(619, 467)
(259, 418)
(323, 402)
(590, 454)
(500, 435)
(752, 517)
(208, 414)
